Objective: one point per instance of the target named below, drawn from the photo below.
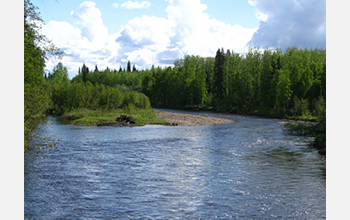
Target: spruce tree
(218, 73)
(128, 68)
(85, 72)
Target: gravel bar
(180, 119)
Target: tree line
(292, 82)
(66, 95)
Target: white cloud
(116, 5)
(230, 36)
(90, 45)
(145, 40)
(68, 35)
(186, 30)
(90, 18)
(191, 25)
(290, 23)
(136, 5)
(142, 57)
(199, 34)
(142, 39)
(146, 31)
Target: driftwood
(126, 119)
(123, 120)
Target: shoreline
(182, 119)
(93, 118)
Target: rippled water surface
(248, 169)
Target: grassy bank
(85, 117)
(263, 112)
(317, 130)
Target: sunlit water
(248, 169)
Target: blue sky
(158, 32)
(229, 11)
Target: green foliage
(68, 96)
(300, 128)
(85, 72)
(290, 83)
(36, 102)
(86, 117)
(317, 130)
(320, 143)
(36, 50)
(219, 74)
(59, 74)
(283, 89)
(301, 107)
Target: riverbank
(180, 119)
(261, 112)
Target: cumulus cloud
(90, 18)
(191, 25)
(145, 40)
(146, 31)
(186, 30)
(290, 23)
(136, 5)
(91, 44)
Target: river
(248, 169)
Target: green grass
(85, 117)
(303, 118)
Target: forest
(286, 84)
(270, 82)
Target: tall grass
(86, 117)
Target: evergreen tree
(85, 72)
(219, 74)
(128, 67)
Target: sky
(159, 32)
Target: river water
(249, 169)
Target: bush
(69, 96)
(302, 128)
(320, 143)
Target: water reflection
(247, 169)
